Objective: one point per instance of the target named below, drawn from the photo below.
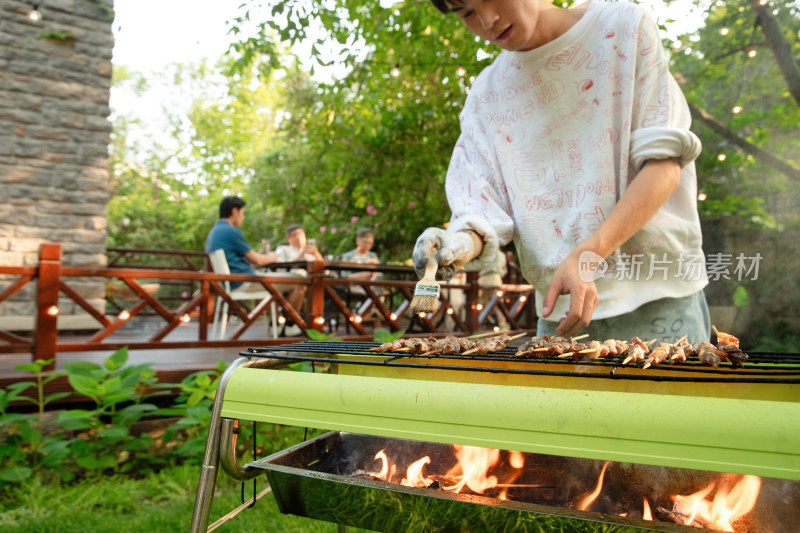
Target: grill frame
(609, 419)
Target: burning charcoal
(678, 518)
(361, 474)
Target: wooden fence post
(45, 336)
(315, 301)
(471, 296)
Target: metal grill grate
(761, 367)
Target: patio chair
(219, 264)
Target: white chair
(219, 264)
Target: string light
(499, 294)
(421, 314)
(319, 320)
(395, 72)
(479, 307)
(124, 315)
(722, 157)
(737, 109)
(461, 71)
(702, 197)
(523, 298)
(763, 2)
(752, 53)
(724, 30)
(185, 319)
(52, 310)
(281, 320)
(450, 311)
(34, 14)
(393, 316)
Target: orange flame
(474, 464)
(414, 477)
(727, 505)
(646, 513)
(589, 499)
(516, 459)
(385, 461)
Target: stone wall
(55, 78)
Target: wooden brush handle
(431, 268)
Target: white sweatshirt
(550, 139)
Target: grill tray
(302, 488)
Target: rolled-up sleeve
(661, 118)
(476, 193)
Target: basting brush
(426, 293)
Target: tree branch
(759, 153)
(780, 47)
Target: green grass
(159, 503)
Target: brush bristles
(424, 304)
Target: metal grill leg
(208, 476)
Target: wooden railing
(331, 302)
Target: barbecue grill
(683, 423)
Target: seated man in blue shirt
(226, 235)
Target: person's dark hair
(441, 6)
(292, 227)
(360, 232)
(228, 203)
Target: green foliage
(63, 36)
(717, 73)
(383, 335)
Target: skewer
(523, 486)
(580, 337)
(489, 334)
(517, 336)
(568, 354)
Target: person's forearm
(266, 259)
(648, 191)
(477, 243)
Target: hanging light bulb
(52, 310)
(702, 196)
(461, 71)
(724, 30)
(34, 14)
(736, 109)
(722, 157)
(752, 53)
(395, 72)
(763, 2)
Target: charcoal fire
(689, 498)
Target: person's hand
(451, 249)
(582, 297)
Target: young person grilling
(575, 143)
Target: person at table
(297, 249)
(362, 254)
(227, 235)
